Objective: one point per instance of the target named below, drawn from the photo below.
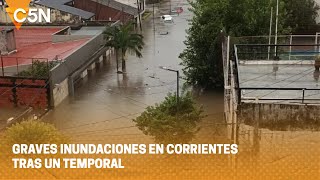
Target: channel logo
(19, 12)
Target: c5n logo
(19, 12)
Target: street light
(178, 76)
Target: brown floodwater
(105, 102)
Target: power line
(10, 88)
(104, 130)
(98, 122)
(270, 72)
(286, 79)
(282, 86)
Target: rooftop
(36, 42)
(292, 79)
(128, 6)
(132, 3)
(62, 6)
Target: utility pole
(270, 33)
(276, 34)
(178, 81)
(139, 16)
(154, 31)
(122, 18)
(2, 66)
(256, 135)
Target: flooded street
(106, 102)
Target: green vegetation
(300, 14)
(146, 14)
(168, 122)
(33, 132)
(38, 69)
(123, 40)
(202, 57)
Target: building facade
(113, 10)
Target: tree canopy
(169, 122)
(202, 56)
(33, 132)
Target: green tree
(300, 14)
(33, 132)
(168, 122)
(123, 40)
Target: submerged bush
(169, 122)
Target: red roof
(37, 43)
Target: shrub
(38, 69)
(33, 132)
(169, 122)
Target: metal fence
(296, 46)
(277, 52)
(13, 66)
(279, 95)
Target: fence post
(14, 92)
(17, 60)
(290, 48)
(256, 138)
(2, 65)
(303, 92)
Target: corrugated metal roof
(118, 6)
(61, 6)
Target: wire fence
(290, 47)
(25, 67)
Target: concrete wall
(76, 59)
(64, 38)
(60, 92)
(59, 75)
(64, 31)
(7, 41)
(281, 116)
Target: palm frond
(121, 37)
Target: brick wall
(24, 92)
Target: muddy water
(106, 102)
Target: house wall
(76, 59)
(60, 92)
(102, 12)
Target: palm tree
(123, 40)
(113, 41)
